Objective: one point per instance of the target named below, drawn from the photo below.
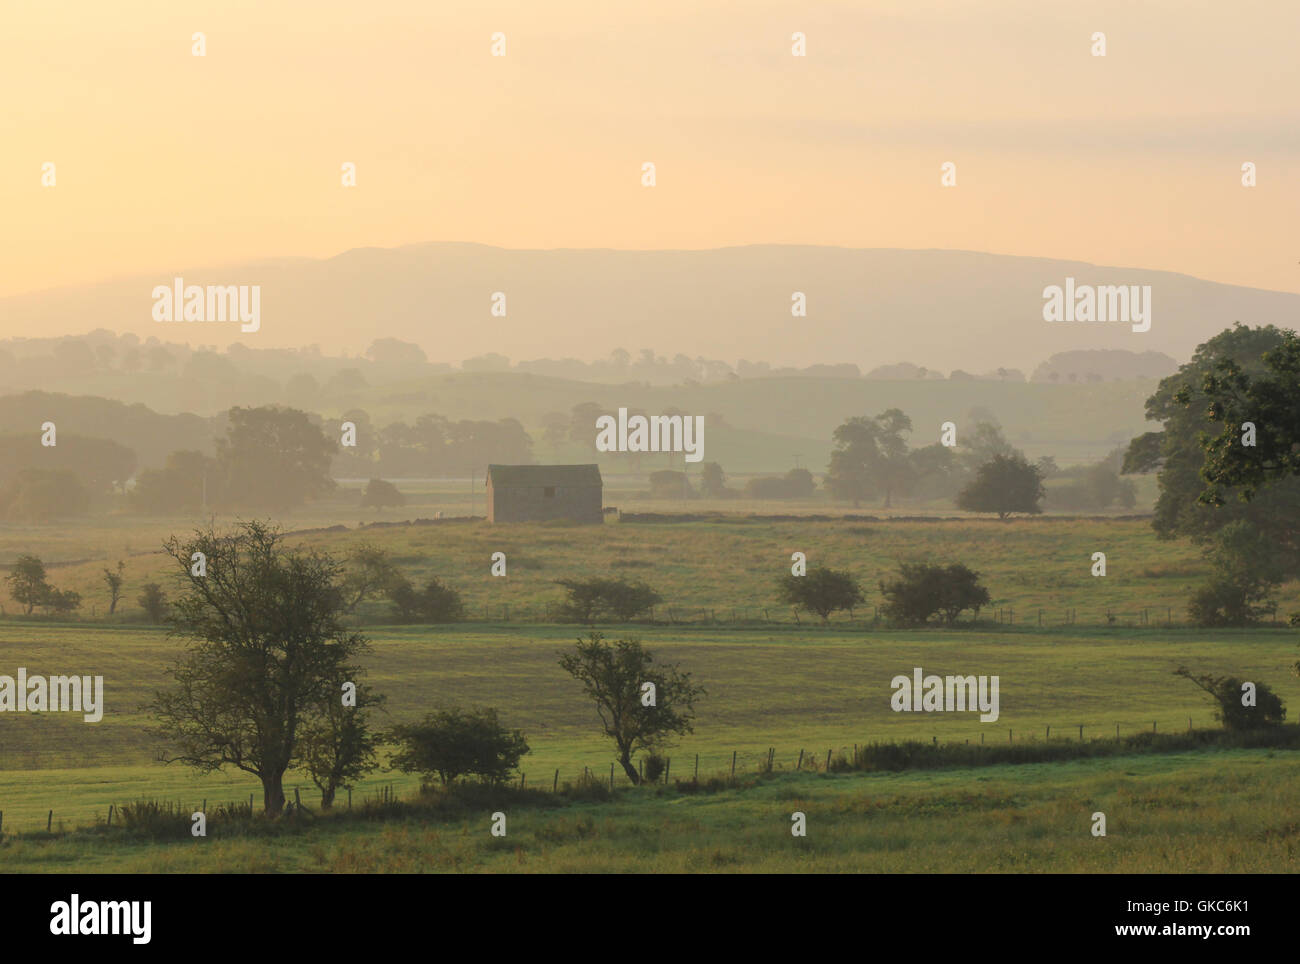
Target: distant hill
(751, 424)
(870, 307)
(770, 420)
(152, 436)
(1104, 365)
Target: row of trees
(29, 588)
(918, 593)
(274, 458)
(433, 446)
(270, 458)
(270, 677)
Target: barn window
(549, 492)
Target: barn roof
(527, 476)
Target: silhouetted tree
(615, 677)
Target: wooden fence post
(733, 763)
(1080, 732)
(828, 759)
(49, 821)
(1153, 726)
(1117, 731)
(555, 784)
(1049, 731)
(799, 765)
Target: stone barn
(535, 493)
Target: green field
(794, 687)
(1222, 812)
(721, 571)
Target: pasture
(723, 570)
(772, 681)
(1222, 812)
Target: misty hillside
(754, 424)
(943, 309)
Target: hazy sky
(165, 160)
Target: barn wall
(529, 504)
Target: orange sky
(165, 160)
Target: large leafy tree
(1207, 479)
(27, 583)
(274, 458)
(870, 457)
(1005, 484)
(1263, 404)
(614, 675)
(187, 482)
(267, 648)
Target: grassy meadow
(791, 686)
(1223, 812)
(716, 571)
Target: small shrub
(1228, 601)
(923, 590)
(380, 494)
(154, 819)
(654, 767)
(454, 743)
(436, 603)
(821, 591)
(62, 601)
(589, 598)
(588, 788)
(1227, 692)
(153, 601)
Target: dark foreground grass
(1206, 811)
(915, 755)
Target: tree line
(270, 678)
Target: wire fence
(694, 766)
